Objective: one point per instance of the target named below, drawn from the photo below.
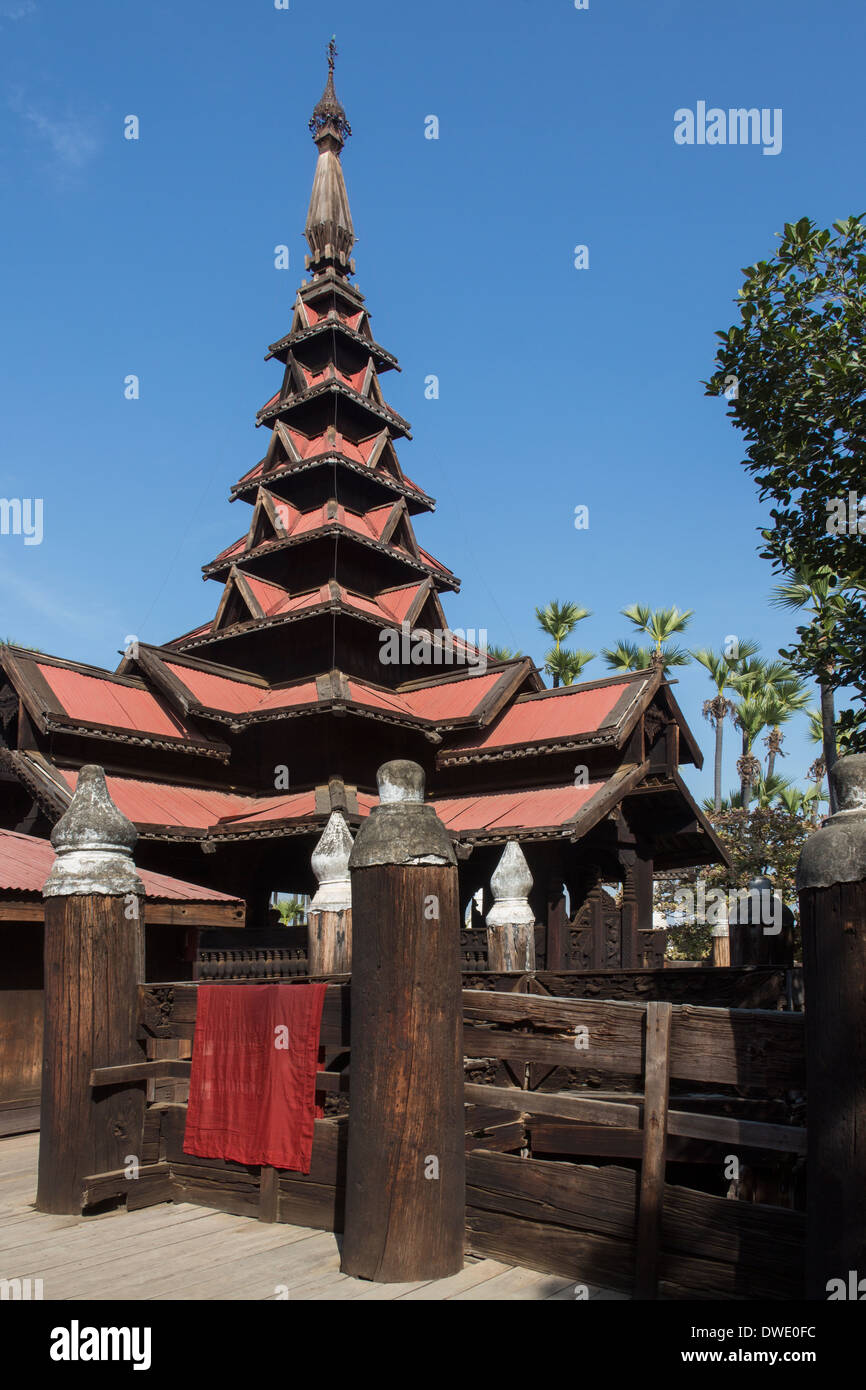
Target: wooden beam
(652, 1177)
(168, 1068)
(169, 1010)
(22, 910)
(561, 1104)
(189, 914)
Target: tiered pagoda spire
(330, 554)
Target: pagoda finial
(329, 229)
(328, 116)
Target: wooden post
(831, 879)
(655, 1134)
(511, 921)
(405, 1184)
(721, 947)
(94, 963)
(329, 935)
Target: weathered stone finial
(511, 882)
(330, 861)
(837, 852)
(93, 842)
(400, 780)
(403, 828)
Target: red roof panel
(198, 808)
(97, 700)
(564, 713)
(453, 699)
(526, 810)
(26, 861)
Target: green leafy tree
(792, 370)
(816, 592)
(761, 840)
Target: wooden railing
(628, 1227)
(623, 1226)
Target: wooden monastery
(329, 653)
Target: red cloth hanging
(252, 1089)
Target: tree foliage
(762, 840)
(793, 373)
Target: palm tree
(819, 591)
(752, 719)
(763, 687)
(793, 800)
(290, 909)
(769, 789)
(720, 708)
(627, 656)
(559, 620)
(565, 666)
(495, 653)
(660, 625)
(782, 699)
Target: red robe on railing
(252, 1092)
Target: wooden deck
(179, 1251)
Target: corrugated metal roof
(452, 699)
(197, 808)
(524, 810)
(239, 697)
(449, 700)
(100, 700)
(26, 861)
(564, 713)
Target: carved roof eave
(540, 748)
(412, 494)
(50, 717)
(673, 782)
(287, 403)
(696, 757)
(386, 360)
(443, 578)
(40, 778)
(55, 800)
(282, 619)
(221, 752)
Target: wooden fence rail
(543, 1212)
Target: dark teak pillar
(831, 879)
(405, 1186)
(94, 963)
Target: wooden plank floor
(179, 1251)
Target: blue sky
(558, 387)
